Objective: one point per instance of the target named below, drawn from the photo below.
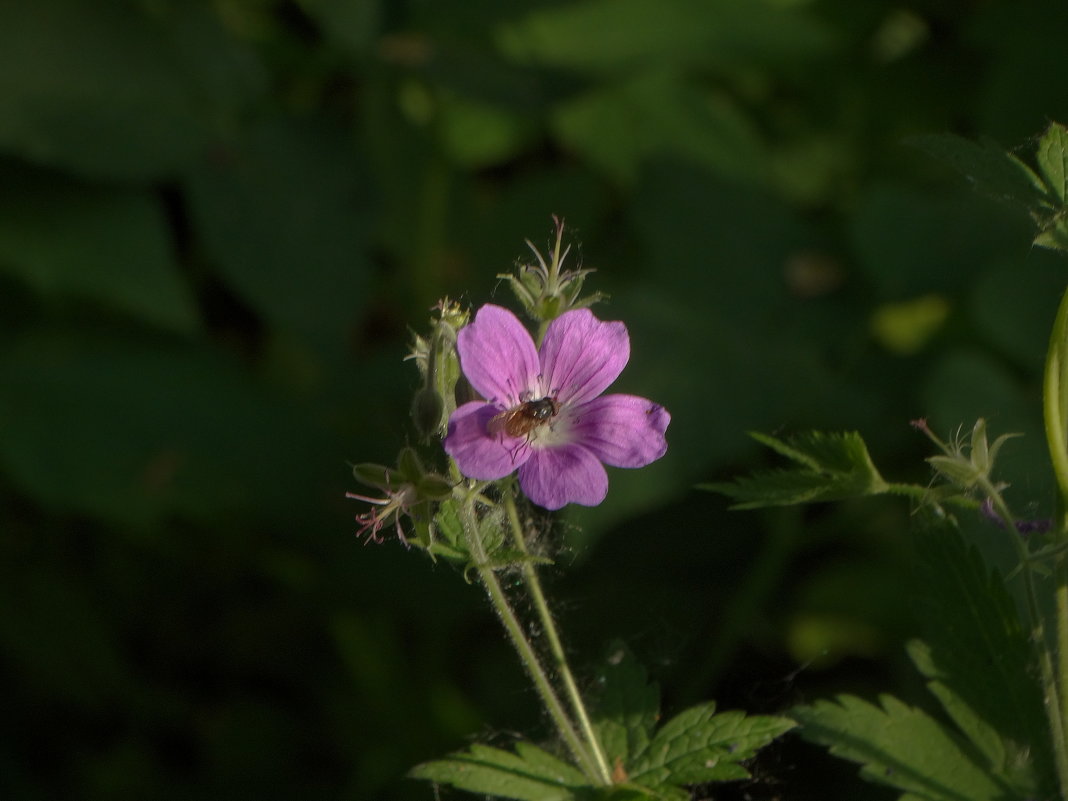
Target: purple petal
(498, 356)
(581, 355)
(621, 430)
(553, 477)
(478, 454)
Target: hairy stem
(555, 708)
(578, 707)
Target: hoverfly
(524, 418)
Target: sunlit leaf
(829, 467)
(899, 746)
(528, 774)
(699, 745)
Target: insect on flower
(525, 418)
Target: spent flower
(409, 490)
(966, 465)
(544, 414)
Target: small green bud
(376, 475)
(545, 288)
(427, 411)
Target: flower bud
(428, 411)
(545, 289)
(376, 475)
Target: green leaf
(1054, 234)
(529, 774)
(970, 722)
(111, 247)
(899, 746)
(979, 657)
(478, 134)
(1044, 195)
(830, 467)
(699, 745)
(1052, 157)
(349, 25)
(613, 35)
(664, 115)
(989, 168)
(694, 747)
(111, 89)
(159, 429)
(627, 707)
(297, 257)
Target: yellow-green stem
(1055, 414)
(578, 707)
(522, 645)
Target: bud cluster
(545, 289)
(435, 356)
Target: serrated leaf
(899, 746)
(980, 651)
(626, 708)
(529, 774)
(699, 745)
(986, 165)
(831, 467)
(984, 736)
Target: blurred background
(220, 220)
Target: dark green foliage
(829, 467)
(993, 742)
(218, 221)
(651, 762)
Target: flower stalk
(556, 648)
(1055, 413)
(523, 647)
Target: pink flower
(544, 414)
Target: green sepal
(434, 487)
(409, 465)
